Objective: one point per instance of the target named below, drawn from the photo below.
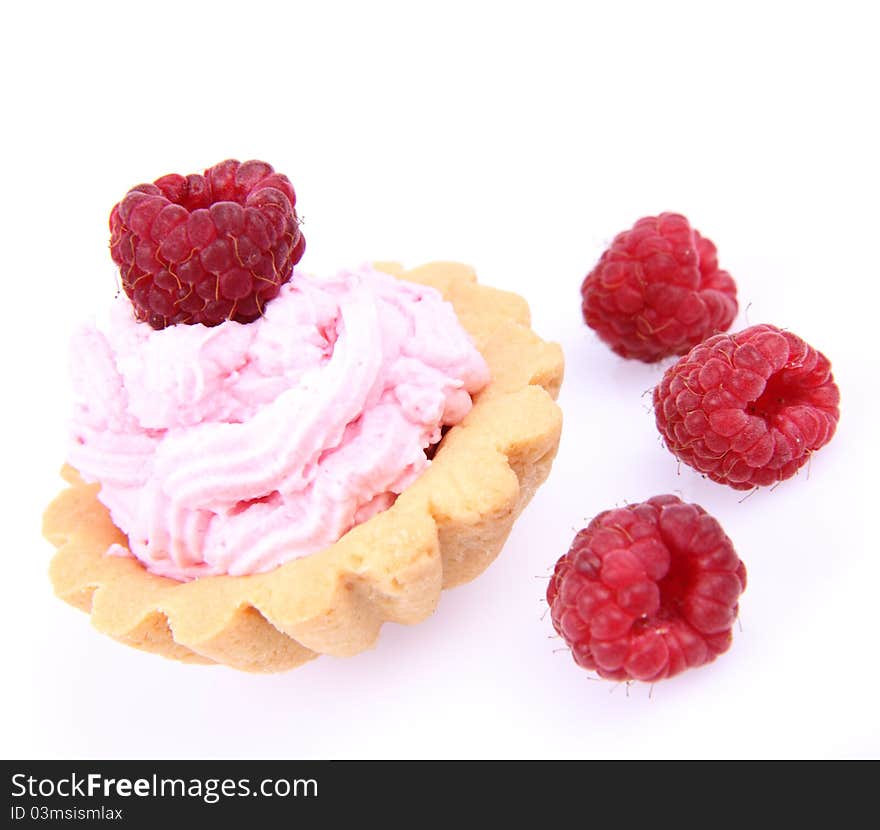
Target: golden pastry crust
(444, 530)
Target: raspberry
(647, 591)
(207, 248)
(748, 409)
(658, 291)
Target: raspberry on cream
(233, 449)
(207, 248)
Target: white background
(519, 138)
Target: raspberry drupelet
(647, 591)
(748, 409)
(657, 291)
(207, 248)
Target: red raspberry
(204, 249)
(658, 291)
(647, 591)
(748, 409)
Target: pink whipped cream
(234, 449)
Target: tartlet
(442, 531)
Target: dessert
(225, 540)
(647, 591)
(658, 291)
(748, 409)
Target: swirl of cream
(236, 448)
